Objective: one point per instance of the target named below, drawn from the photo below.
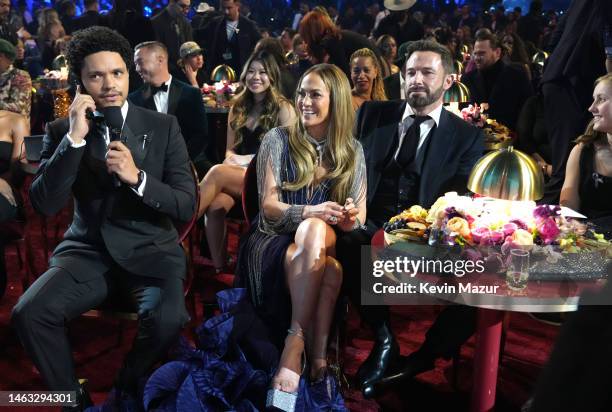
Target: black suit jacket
(115, 224)
(172, 32)
(88, 19)
(213, 40)
(511, 90)
(392, 86)
(444, 162)
(185, 103)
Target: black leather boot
(381, 361)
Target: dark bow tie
(162, 88)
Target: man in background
(172, 28)
(228, 39)
(163, 93)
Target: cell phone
(89, 114)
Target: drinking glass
(517, 273)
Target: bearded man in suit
(415, 151)
(129, 182)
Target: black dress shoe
(382, 358)
(413, 365)
(83, 400)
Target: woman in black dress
(588, 177)
(13, 128)
(257, 109)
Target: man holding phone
(121, 241)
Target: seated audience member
(13, 128)
(50, 30)
(395, 84)
(286, 39)
(366, 78)
(129, 249)
(388, 50)
(192, 65)
(301, 62)
(312, 185)
(588, 176)
(505, 87)
(287, 81)
(257, 109)
(165, 94)
(531, 133)
(15, 84)
(515, 52)
(228, 38)
(327, 43)
(405, 143)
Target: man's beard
(423, 101)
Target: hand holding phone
(79, 124)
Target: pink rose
(548, 230)
(510, 228)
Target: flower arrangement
(474, 114)
(490, 228)
(219, 93)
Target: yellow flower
(521, 237)
(459, 225)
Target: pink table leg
(486, 359)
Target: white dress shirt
(161, 98)
(425, 127)
(124, 109)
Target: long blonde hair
(378, 88)
(340, 149)
(590, 135)
(244, 102)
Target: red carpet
(98, 357)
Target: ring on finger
(332, 219)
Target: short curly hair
(93, 40)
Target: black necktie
(411, 141)
(162, 88)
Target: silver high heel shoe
(277, 399)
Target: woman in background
(366, 77)
(191, 64)
(388, 50)
(13, 128)
(588, 177)
(257, 109)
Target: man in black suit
(91, 16)
(129, 184)
(505, 87)
(172, 29)
(165, 94)
(405, 144)
(229, 38)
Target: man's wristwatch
(141, 175)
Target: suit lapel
(174, 95)
(136, 136)
(441, 141)
(382, 141)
